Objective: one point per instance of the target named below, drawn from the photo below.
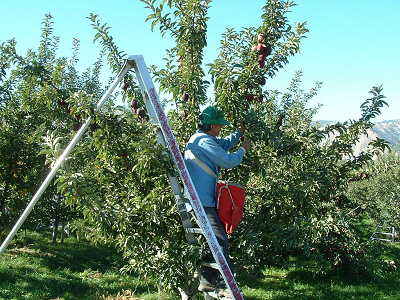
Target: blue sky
(351, 47)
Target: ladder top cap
(135, 57)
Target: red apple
(261, 63)
(184, 114)
(185, 97)
(260, 38)
(134, 104)
(77, 126)
(61, 102)
(260, 98)
(260, 48)
(93, 127)
(261, 57)
(267, 51)
(249, 97)
(125, 86)
(263, 81)
(140, 112)
(125, 153)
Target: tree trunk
(190, 291)
(62, 230)
(3, 198)
(55, 229)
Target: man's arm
(218, 156)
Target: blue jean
(210, 274)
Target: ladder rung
(210, 295)
(194, 230)
(210, 264)
(385, 240)
(387, 233)
(213, 295)
(388, 227)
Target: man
(211, 151)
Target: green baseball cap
(212, 115)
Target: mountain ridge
(388, 130)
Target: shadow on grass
(375, 276)
(37, 269)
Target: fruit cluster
(134, 104)
(77, 125)
(359, 177)
(263, 51)
(139, 111)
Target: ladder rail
(153, 103)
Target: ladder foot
(213, 295)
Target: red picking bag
(230, 204)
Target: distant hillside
(387, 130)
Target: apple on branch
(125, 86)
(185, 97)
(249, 97)
(134, 104)
(267, 50)
(77, 126)
(260, 48)
(125, 153)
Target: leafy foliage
(296, 172)
(375, 189)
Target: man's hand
(246, 145)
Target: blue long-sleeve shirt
(212, 151)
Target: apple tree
(40, 100)
(375, 189)
(296, 172)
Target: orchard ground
(34, 268)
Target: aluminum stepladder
(166, 137)
(385, 231)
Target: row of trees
(114, 187)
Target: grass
(302, 284)
(33, 268)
